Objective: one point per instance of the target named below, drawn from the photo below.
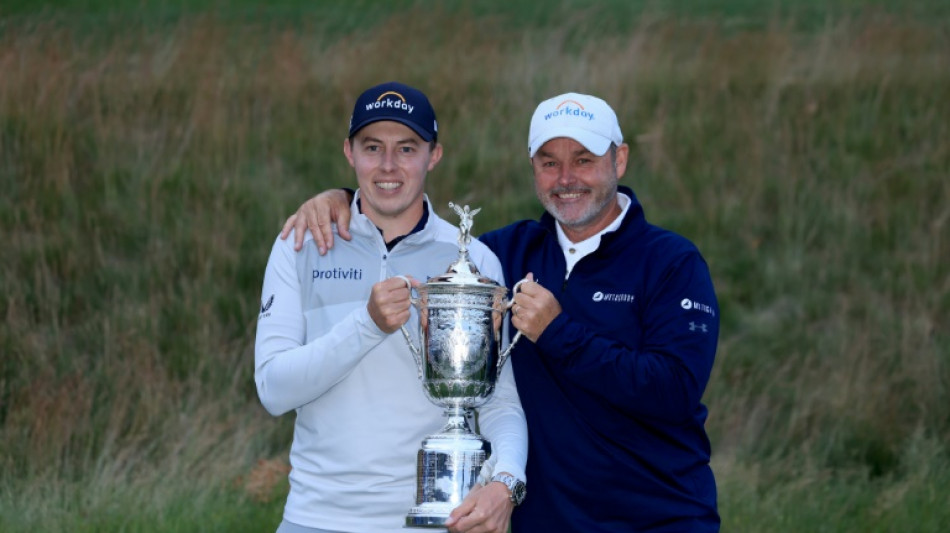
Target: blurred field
(149, 153)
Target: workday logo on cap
(584, 118)
(399, 103)
(391, 100)
(570, 108)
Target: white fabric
(575, 251)
(361, 411)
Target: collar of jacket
(361, 225)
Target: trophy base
(447, 467)
(428, 515)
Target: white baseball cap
(584, 118)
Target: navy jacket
(612, 388)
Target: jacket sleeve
(665, 375)
(503, 423)
(288, 371)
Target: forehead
(388, 130)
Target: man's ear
(435, 156)
(623, 152)
(348, 151)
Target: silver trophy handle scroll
(416, 352)
(504, 355)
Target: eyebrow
(582, 151)
(407, 140)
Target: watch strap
(516, 487)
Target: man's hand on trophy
(534, 308)
(318, 215)
(389, 303)
(485, 509)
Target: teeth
(569, 196)
(388, 185)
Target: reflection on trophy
(460, 326)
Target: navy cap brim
(426, 136)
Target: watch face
(515, 485)
(518, 492)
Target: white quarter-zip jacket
(361, 410)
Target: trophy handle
(416, 353)
(504, 355)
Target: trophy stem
(457, 421)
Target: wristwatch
(515, 486)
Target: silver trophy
(461, 315)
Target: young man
(623, 325)
(329, 347)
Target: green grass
(149, 152)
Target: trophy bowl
(461, 343)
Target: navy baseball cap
(397, 102)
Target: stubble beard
(599, 202)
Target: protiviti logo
(605, 297)
(397, 101)
(338, 273)
(570, 108)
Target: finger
(323, 217)
(288, 225)
(461, 511)
(399, 319)
(388, 316)
(397, 282)
(300, 227)
(391, 291)
(531, 290)
(325, 231)
(343, 223)
(315, 225)
(530, 284)
(522, 299)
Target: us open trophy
(461, 313)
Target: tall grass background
(149, 153)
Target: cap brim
(597, 144)
(426, 136)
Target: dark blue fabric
(397, 102)
(612, 389)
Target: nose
(565, 176)
(389, 160)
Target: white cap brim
(597, 144)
